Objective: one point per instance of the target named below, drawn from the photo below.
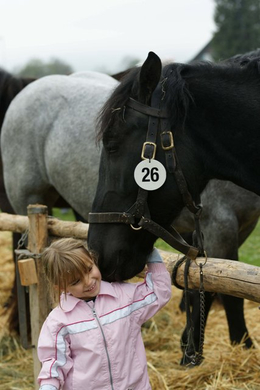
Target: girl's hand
(154, 257)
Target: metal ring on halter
(135, 228)
(205, 261)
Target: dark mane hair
(183, 76)
(244, 59)
(179, 99)
(114, 106)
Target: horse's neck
(226, 137)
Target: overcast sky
(99, 34)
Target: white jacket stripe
(61, 344)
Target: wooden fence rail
(20, 223)
(220, 275)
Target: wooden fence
(220, 275)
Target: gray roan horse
(54, 121)
(48, 147)
(62, 107)
(10, 86)
(212, 114)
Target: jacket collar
(68, 302)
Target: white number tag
(150, 174)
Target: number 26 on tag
(150, 175)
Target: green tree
(38, 68)
(238, 27)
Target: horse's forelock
(177, 100)
(113, 108)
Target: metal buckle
(143, 150)
(169, 133)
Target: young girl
(92, 340)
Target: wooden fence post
(40, 305)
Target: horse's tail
(10, 86)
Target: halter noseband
(158, 118)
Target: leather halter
(158, 119)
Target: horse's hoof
(248, 343)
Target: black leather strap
(147, 110)
(172, 238)
(111, 218)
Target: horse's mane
(179, 99)
(114, 107)
(244, 59)
(10, 86)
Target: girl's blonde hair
(65, 261)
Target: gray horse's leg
(41, 194)
(234, 306)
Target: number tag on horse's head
(150, 174)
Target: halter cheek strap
(160, 122)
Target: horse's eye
(111, 147)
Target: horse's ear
(150, 75)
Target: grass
(249, 252)
(64, 214)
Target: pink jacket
(98, 345)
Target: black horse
(206, 117)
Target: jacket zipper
(105, 343)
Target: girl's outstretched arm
(152, 294)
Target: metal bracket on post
(27, 267)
